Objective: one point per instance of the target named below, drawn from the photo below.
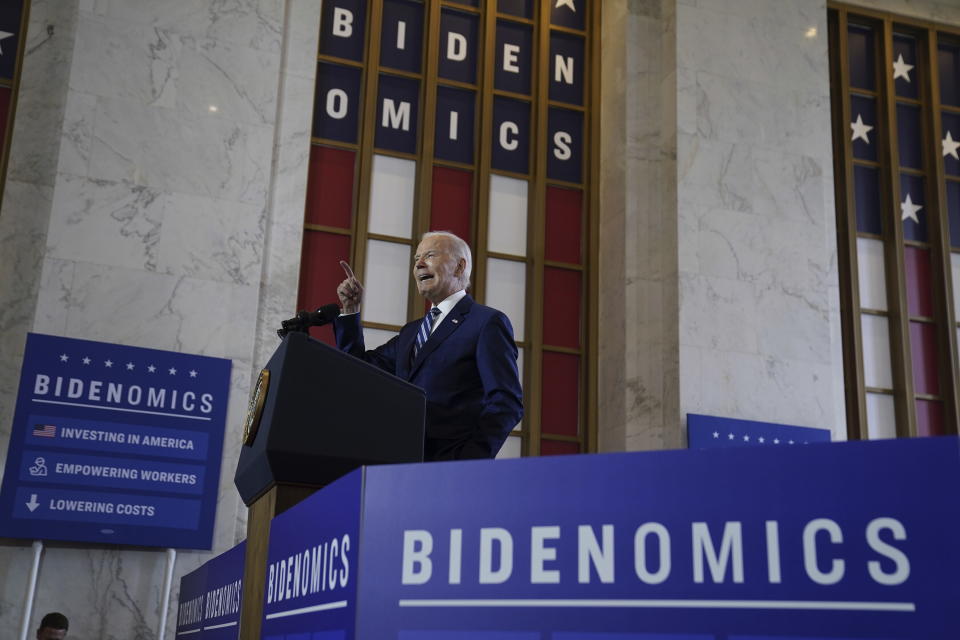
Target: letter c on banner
(509, 144)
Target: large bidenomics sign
(116, 444)
(823, 541)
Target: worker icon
(39, 467)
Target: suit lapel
(451, 323)
(405, 349)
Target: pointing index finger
(347, 270)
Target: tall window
(895, 87)
(475, 117)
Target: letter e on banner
(513, 51)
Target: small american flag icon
(45, 430)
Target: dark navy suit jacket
(468, 368)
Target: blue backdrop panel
(709, 432)
(397, 107)
(453, 138)
(833, 540)
(115, 444)
(568, 13)
(514, 57)
(565, 150)
(10, 15)
(311, 581)
(336, 107)
(511, 131)
(221, 610)
(401, 40)
(566, 68)
(342, 29)
(458, 46)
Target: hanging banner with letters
(115, 444)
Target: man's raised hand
(350, 291)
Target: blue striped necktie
(424, 333)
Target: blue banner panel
(511, 131)
(401, 39)
(514, 56)
(949, 148)
(193, 587)
(912, 210)
(866, 182)
(829, 540)
(10, 12)
(905, 76)
(115, 444)
(566, 68)
(522, 8)
(458, 46)
(909, 136)
(342, 28)
(860, 56)
(453, 139)
(221, 606)
(398, 100)
(568, 13)
(863, 114)
(953, 210)
(336, 105)
(565, 153)
(709, 432)
(311, 585)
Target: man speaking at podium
(462, 353)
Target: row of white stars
(761, 439)
(130, 366)
(948, 145)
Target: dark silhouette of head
(53, 627)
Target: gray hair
(460, 250)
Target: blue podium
(814, 542)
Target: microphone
(306, 319)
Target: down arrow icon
(33, 504)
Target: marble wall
(721, 137)
(155, 198)
(758, 270)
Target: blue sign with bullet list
(115, 444)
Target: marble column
(155, 198)
(718, 267)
